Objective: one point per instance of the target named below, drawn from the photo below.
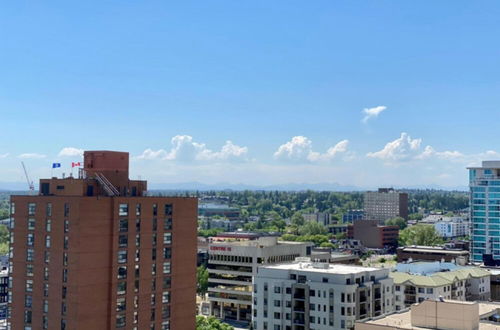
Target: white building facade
(452, 227)
(231, 266)
(306, 295)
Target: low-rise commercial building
(432, 253)
(416, 282)
(307, 295)
(373, 235)
(440, 315)
(231, 266)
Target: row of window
(123, 209)
(123, 225)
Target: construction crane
(31, 186)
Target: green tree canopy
(397, 221)
(211, 323)
(419, 235)
(202, 280)
(297, 219)
(312, 228)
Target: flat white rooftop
(322, 268)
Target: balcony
(411, 291)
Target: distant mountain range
(21, 186)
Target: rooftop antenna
(31, 186)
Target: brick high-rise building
(384, 204)
(94, 252)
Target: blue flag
(55, 165)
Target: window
(64, 291)
(121, 304)
(12, 208)
(66, 226)
(166, 283)
(122, 241)
(65, 275)
(421, 290)
(398, 288)
(120, 320)
(138, 209)
(155, 209)
(29, 270)
(65, 258)
(31, 224)
(166, 268)
(46, 289)
(122, 272)
(430, 290)
(155, 224)
(122, 256)
(277, 315)
(66, 209)
(31, 239)
(28, 300)
(47, 225)
(277, 289)
(167, 225)
(47, 241)
(167, 253)
(48, 210)
(165, 297)
(30, 254)
(45, 306)
(66, 242)
(27, 316)
(31, 208)
(46, 273)
(153, 299)
(123, 210)
(123, 225)
(168, 209)
(277, 303)
(325, 279)
(29, 285)
(153, 239)
(137, 225)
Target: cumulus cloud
(405, 148)
(184, 148)
(299, 148)
(70, 152)
(372, 112)
(31, 156)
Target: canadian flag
(73, 164)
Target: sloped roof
(438, 279)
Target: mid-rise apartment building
(416, 282)
(484, 183)
(319, 217)
(94, 252)
(452, 227)
(384, 204)
(373, 235)
(233, 263)
(309, 295)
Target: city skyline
(260, 94)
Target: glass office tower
(484, 183)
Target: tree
(312, 228)
(202, 280)
(397, 221)
(419, 235)
(211, 323)
(297, 219)
(4, 240)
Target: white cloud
(71, 152)
(372, 112)
(185, 149)
(403, 148)
(32, 156)
(4, 155)
(299, 148)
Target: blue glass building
(484, 183)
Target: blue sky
(181, 79)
